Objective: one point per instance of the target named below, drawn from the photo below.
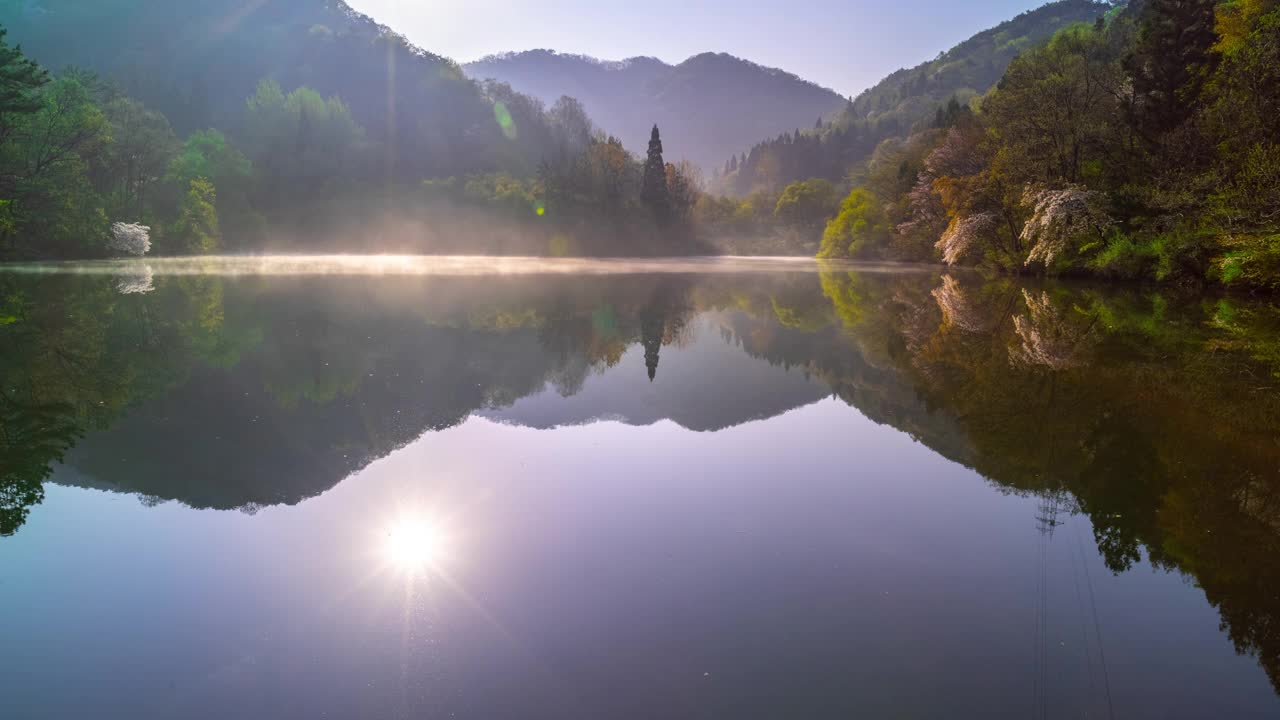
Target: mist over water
(460, 265)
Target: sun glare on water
(414, 545)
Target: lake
(456, 487)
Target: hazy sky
(846, 45)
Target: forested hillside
(1128, 140)
(222, 125)
(1145, 145)
(898, 104)
(196, 62)
(708, 106)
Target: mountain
(197, 62)
(902, 101)
(707, 106)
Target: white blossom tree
(965, 233)
(1061, 220)
(130, 239)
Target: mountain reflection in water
(1152, 416)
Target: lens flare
(503, 116)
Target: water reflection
(1152, 415)
(414, 544)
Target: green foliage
(208, 155)
(20, 82)
(304, 147)
(1054, 108)
(1124, 259)
(858, 231)
(1182, 173)
(45, 164)
(196, 229)
(1171, 61)
(142, 144)
(1250, 261)
(904, 102)
(807, 205)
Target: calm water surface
(359, 489)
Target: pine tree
(653, 189)
(733, 164)
(1172, 60)
(20, 82)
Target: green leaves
(858, 231)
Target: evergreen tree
(1172, 60)
(20, 81)
(653, 189)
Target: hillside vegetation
(897, 104)
(1144, 145)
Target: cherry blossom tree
(1062, 220)
(965, 233)
(130, 239)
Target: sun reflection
(414, 544)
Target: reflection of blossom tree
(1047, 338)
(957, 310)
(137, 281)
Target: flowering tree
(1061, 220)
(130, 239)
(964, 233)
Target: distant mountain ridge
(897, 105)
(197, 62)
(707, 106)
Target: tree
(683, 183)
(44, 172)
(1061, 220)
(130, 238)
(1172, 60)
(1055, 107)
(142, 145)
(302, 143)
(859, 229)
(806, 206)
(207, 154)
(196, 230)
(653, 184)
(20, 82)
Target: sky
(846, 45)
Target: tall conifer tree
(653, 189)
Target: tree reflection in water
(1152, 414)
